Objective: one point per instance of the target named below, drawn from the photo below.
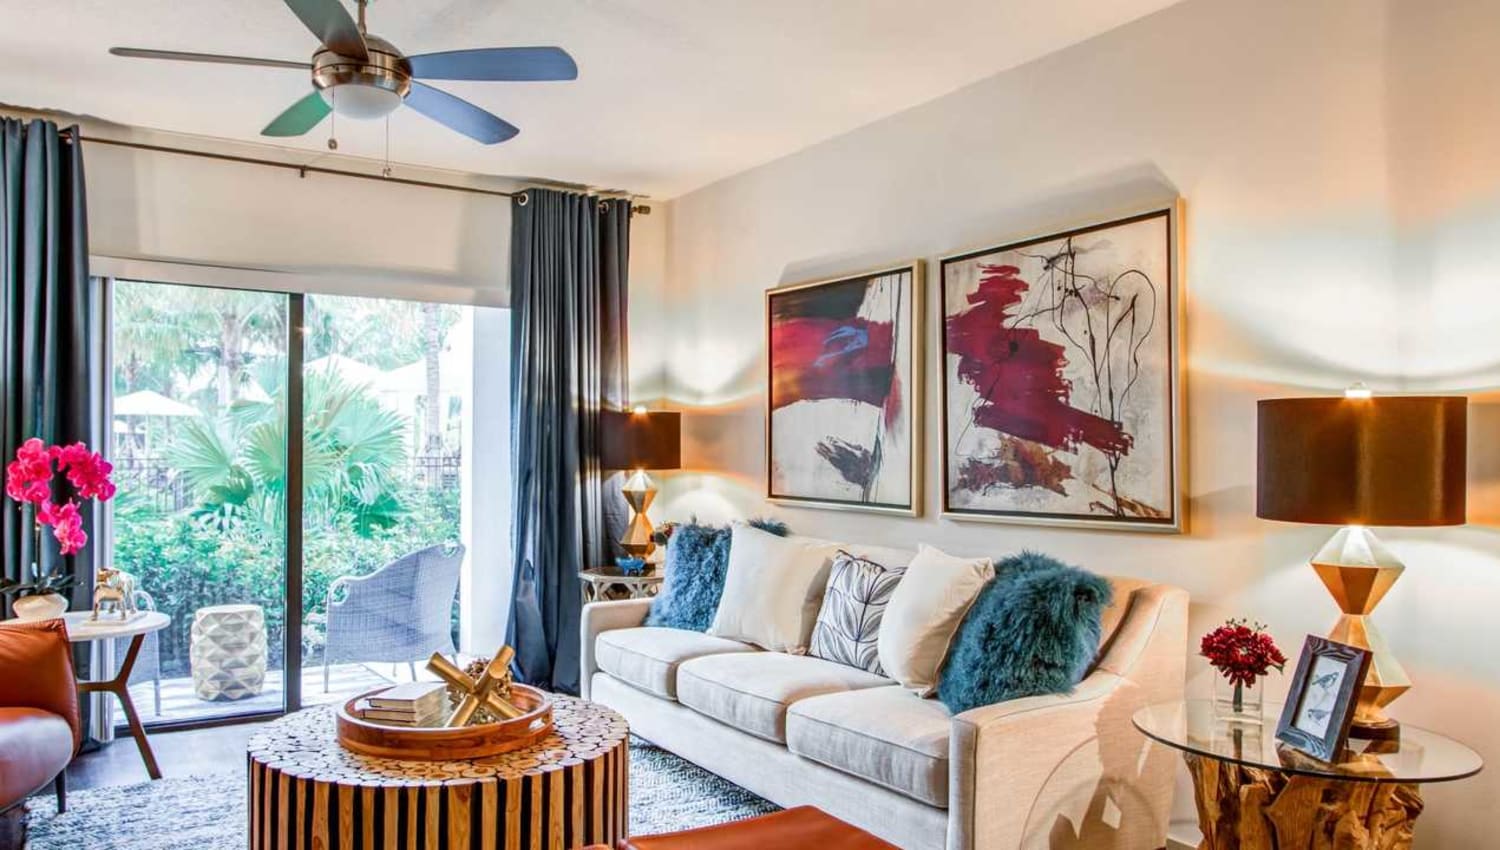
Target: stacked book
(411, 704)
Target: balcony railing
(153, 477)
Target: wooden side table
(603, 583)
(1254, 793)
(82, 629)
(569, 789)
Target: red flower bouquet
(1242, 653)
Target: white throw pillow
(924, 613)
(773, 588)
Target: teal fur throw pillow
(697, 561)
(1033, 630)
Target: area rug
(208, 812)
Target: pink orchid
(67, 525)
(28, 478)
(87, 471)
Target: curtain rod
(304, 170)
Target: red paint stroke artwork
(840, 420)
(1058, 359)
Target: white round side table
(83, 629)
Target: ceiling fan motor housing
(363, 89)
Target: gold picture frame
(1008, 502)
(819, 462)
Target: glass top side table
(1252, 791)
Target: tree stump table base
(1251, 808)
(567, 790)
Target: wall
(1320, 251)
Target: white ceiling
(671, 95)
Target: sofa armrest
(1019, 768)
(1071, 769)
(36, 670)
(599, 617)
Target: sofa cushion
(888, 736)
(1033, 630)
(854, 601)
(34, 746)
(751, 691)
(648, 657)
(697, 558)
(924, 614)
(772, 589)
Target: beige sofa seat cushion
(648, 657)
(752, 691)
(888, 736)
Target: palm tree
(352, 448)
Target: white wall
(1306, 138)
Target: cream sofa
(1058, 771)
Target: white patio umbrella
(147, 403)
(351, 370)
(152, 403)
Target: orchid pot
(43, 606)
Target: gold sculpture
(491, 689)
(114, 591)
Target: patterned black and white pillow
(848, 627)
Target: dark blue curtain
(569, 255)
(51, 340)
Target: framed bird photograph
(1320, 704)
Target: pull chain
(386, 171)
(333, 121)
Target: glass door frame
(291, 690)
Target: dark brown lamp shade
(1387, 460)
(644, 440)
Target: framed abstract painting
(1061, 378)
(844, 400)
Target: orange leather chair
(39, 729)
(802, 828)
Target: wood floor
(187, 753)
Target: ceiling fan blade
(299, 117)
(330, 22)
(459, 114)
(213, 58)
(496, 64)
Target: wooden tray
(373, 738)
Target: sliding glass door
(200, 454)
(336, 478)
(386, 388)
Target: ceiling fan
(360, 75)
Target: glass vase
(1239, 703)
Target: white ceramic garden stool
(229, 651)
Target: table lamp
(1355, 462)
(635, 441)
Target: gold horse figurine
(115, 590)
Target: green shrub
(186, 562)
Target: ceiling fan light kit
(369, 89)
(363, 76)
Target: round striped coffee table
(567, 790)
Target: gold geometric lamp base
(640, 492)
(1358, 570)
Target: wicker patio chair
(400, 612)
(148, 662)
